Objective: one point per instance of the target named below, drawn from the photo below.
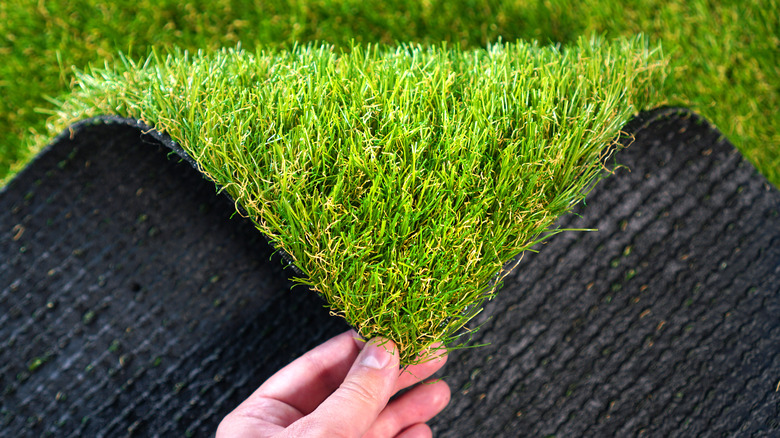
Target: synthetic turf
(133, 299)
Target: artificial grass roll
(400, 180)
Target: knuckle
(361, 393)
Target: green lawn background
(725, 54)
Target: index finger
(435, 358)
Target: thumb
(354, 406)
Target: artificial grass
(400, 179)
(724, 53)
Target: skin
(342, 389)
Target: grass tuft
(399, 179)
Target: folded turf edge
(398, 180)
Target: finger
(267, 417)
(352, 408)
(435, 360)
(310, 379)
(417, 431)
(418, 405)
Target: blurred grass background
(725, 54)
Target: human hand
(341, 389)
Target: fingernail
(376, 356)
